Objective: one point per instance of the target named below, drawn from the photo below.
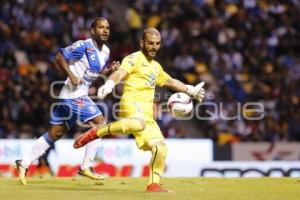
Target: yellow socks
(123, 126)
(157, 163)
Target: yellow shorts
(152, 133)
(132, 109)
(150, 136)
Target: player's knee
(56, 132)
(160, 150)
(55, 135)
(98, 122)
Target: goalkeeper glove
(106, 89)
(197, 92)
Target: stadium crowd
(245, 51)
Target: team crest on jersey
(131, 64)
(151, 80)
(93, 56)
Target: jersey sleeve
(162, 77)
(74, 51)
(128, 64)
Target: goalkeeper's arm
(196, 92)
(110, 83)
(176, 85)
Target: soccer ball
(180, 104)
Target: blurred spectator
(245, 50)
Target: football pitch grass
(134, 188)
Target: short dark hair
(93, 25)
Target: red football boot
(85, 138)
(155, 187)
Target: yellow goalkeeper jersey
(143, 76)
(139, 86)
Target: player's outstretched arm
(175, 85)
(197, 92)
(64, 65)
(112, 80)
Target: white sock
(90, 153)
(39, 148)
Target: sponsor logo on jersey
(89, 50)
(79, 102)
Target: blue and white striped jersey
(86, 62)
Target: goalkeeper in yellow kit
(141, 74)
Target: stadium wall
(186, 158)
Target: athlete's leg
(151, 139)
(157, 166)
(91, 147)
(123, 126)
(39, 148)
(132, 121)
(43, 143)
(91, 150)
(157, 162)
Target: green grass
(134, 188)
